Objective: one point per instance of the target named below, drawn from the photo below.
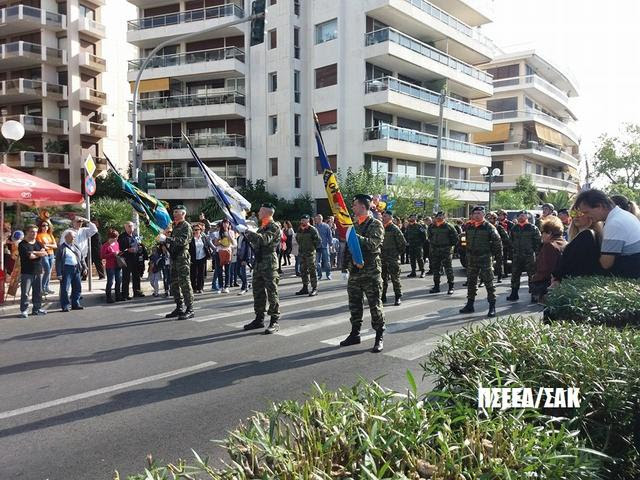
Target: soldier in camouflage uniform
(492, 218)
(442, 238)
(178, 246)
(366, 279)
(416, 236)
(309, 241)
(265, 281)
(483, 244)
(393, 246)
(526, 241)
(507, 249)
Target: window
(273, 2)
(273, 81)
(87, 12)
(297, 183)
(333, 162)
(296, 7)
(296, 86)
(503, 104)
(407, 168)
(328, 120)
(273, 124)
(296, 42)
(296, 129)
(273, 39)
(408, 123)
(377, 164)
(327, 31)
(327, 76)
(508, 71)
(458, 173)
(273, 166)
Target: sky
(598, 42)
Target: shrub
(114, 213)
(597, 300)
(522, 352)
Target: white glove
(345, 276)
(241, 228)
(161, 238)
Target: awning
(154, 85)
(499, 134)
(549, 135)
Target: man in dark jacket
(443, 238)
(130, 244)
(393, 246)
(526, 241)
(416, 236)
(309, 242)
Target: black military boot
(313, 292)
(514, 295)
(422, 274)
(468, 308)
(176, 312)
(398, 300)
(435, 289)
(303, 291)
(353, 338)
(257, 323)
(412, 274)
(499, 279)
(450, 291)
(492, 309)
(383, 298)
(273, 327)
(378, 345)
(187, 314)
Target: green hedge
(596, 300)
(522, 352)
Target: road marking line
(101, 391)
(414, 350)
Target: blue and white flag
(232, 204)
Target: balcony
(537, 88)
(221, 61)
(25, 159)
(472, 12)
(389, 140)
(93, 29)
(92, 63)
(394, 96)
(92, 96)
(24, 19)
(92, 129)
(531, 115)
(423, 19)
(145, 32)
(536, 151)
(464, 190)
(17, 55)
(33, 124)
(207, 146)
(392, 49)
(542, 182)
(192, 188)
(222, 105)
(21, 90)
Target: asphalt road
(86, 393)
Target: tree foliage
(618, 157)
(361, 181)
(108, 186)
(523, 196)
(113, 213)
(508, 200)
(559, 200)
(407, 190)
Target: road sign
(418, 203)
(90, 165)
(90, 186)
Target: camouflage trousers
(391, 270)
(415, 255)
(480, 267)
(265, 288)
(370, 286)
(522, 263)
(308, 269)
(181, 289)
(441, 258)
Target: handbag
(121, 262)
(225, 257)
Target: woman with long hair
(200, 251)
(46, 239)
(625, 204)
(224, 244)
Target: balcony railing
(448, 183)
(201, 56)
(198, 141)
(405, 88)
(32, 87)
(193, 100)
(89, 25)
(174, 183)
(227, 10)
(93, 61)
(43, 17)
(527, 80)
(32, 123)
(392, 35)
(33, 50)
(93, 129)
(531, 145)
(26, 159)
(529, 113)
(391, 132)
(539, 180)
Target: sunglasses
(576, 214)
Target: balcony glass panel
(448, 183)
(189, 16)
(193, 100)
(201, 56)
(198, 141)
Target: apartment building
(534, 123)
(372, 70)
(51, 81)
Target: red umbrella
(17, 186)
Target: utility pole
(436, 190)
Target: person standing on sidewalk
(393, 246)
(323, 259)
(309, 242)
(526, 242)
(109, 251)
(442, 238)
(48, 241)
(129, 245)
(70, 265)
(95, 243)
(416, 237)
(31, 254)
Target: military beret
(305, 217)
(439, 214)
(523, 212)
(563, 210)
(477, 208)
(363, 197)
(549, 206)
(269, 205)
(388, 212)
(180, 207)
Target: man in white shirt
(83, 234)
(620, 250)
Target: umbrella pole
(2, 240)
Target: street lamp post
(493, 173)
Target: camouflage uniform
(415, 238)
(526, 241)
(483, 243)
(442, 239)
(366, 281)
(265, 281)
(178, 246)
(393, 246)
(506, 241)
(308, 241)
(507, 249)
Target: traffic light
(257, 24)
(142, 180)
(150, 178)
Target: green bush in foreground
(597, 300)
(522, 352)
(370, 432)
